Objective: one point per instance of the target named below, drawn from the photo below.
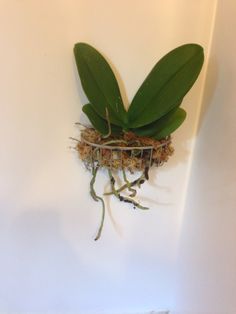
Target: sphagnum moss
(134, 153)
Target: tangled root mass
(126, 152)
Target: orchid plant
(152, 116)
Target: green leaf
(98, 123)
(156, 126)
(166, 85)
(99, 83)
(171, 124)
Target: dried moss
(126, 152)
(115, 158)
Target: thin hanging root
(102, 220)
(97, 198)
(81, 124)
(92, 191)
(137, 182)
(74, 139)
(146, 173)
(134, 192)
(140, 180)
(112, 181)
(120, 197)
(130, 200)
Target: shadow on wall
(181, 139)
(209, 89)
(39, 269)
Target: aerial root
(97, 198)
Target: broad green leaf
(171, 124)
(156, 126)
(167, 84)
(98, 123)
(99, 83)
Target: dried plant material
(126, 152)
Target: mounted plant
(139, 138)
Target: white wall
(206, 268)
(48, 259)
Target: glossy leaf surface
(156, 126)
(99, 83)
(166, 85)
(171, 124)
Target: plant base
(127, 152)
